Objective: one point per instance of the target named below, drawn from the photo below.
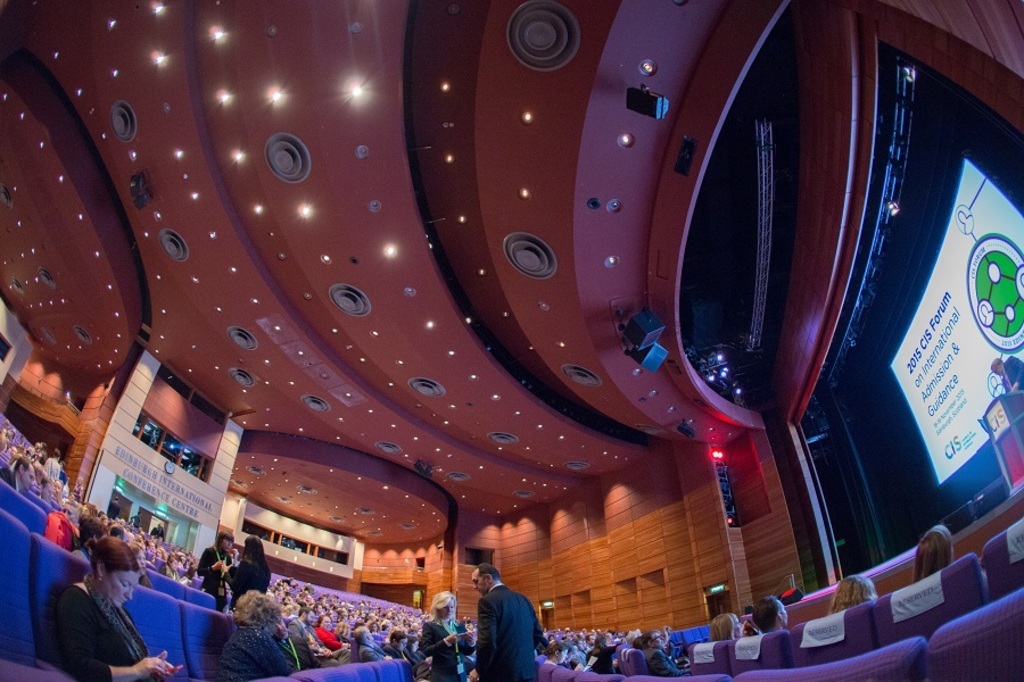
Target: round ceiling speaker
(238, 483)
(365, 511)
(530, 255)
(306, 490)
(174, 245)
(336, 519)
(284, 500)
(316, 403)
(82, 335)
(255, 470)
(243, 338)
(543, 35)
(503, 438)
(457, 476)
(48, 336)
(428, 387)
(408, 525)
(581, 375)
(374, 533)
(46, 278)
(649, 429)
(577, 465)
(123, 121)
(350, 300)
(17, 286)
(5, 196)
(288, 157)
(523, 493)
(389, 447)
(242, 376)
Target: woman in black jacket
(446, 641)
(252, 573)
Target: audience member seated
(397, 643)
(599, 658)
(97, 637)
(369, 650)
(770, 615)
(934, 552)
(659, 664)
(140, 556)
(554, 654)
(725, 626)
(23, 474)
(748, 629)
(852, 591)
(252, 572)
(325, 635)
(446, 641)
(252, 652)
(89, 528)
(295, 649)
(302, 627)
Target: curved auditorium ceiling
(377, 233)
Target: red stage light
(717, 454)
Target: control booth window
(171, 447)
(278, 538)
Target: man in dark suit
(1011, 371)
(507, 631)
(659, 664)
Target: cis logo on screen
(995, 285)
(958, 444)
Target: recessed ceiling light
(446, 86)
(390, 250)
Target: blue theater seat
(157, 617)
(204, 632)
(22, 509)
(200, 598)
(16, 641)
(53, 569)
(161, 583)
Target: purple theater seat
(560, 674)
(21, 508)
(897, 662)
(204, 632)
(597, 677)
(161, 583)
(775, 653)
(859, 631)
(695, 678)
(53, 569)
(39, 502)
(16, 641)
(986, 644)
(157, 617)
(200, 598)
(1003, 577)
(720, 666)
(636, 662)
(540, 659)
(353, 672)
(963, 589)
(16, 672)
(545, 671)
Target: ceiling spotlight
(892, 207)
(159, 58)
(390, 251)
(527, 117)
(446, 86)
(643, 101)
(305, 210)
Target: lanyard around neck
(291, 648)
(453, 630)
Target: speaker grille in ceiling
(523, 493)
(543, 35)
(123, 121)
(288, 157)
(242, 376)
(255, 470)
(336, 519)
(408, 525)
(243, 338)
(503, 438)
(174, 244)
(365, 511)
(427, 387)
(306, 490)
(16, 284)
(350, 300)
(577, 465)
(581, 375)
(316, 404)
(389, 447)
(374, 533)
(48, 336)
(530, 255)
(5, 197)
(458, 476)
(82, 335)
(46, 278)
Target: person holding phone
(447, 641)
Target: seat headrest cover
(915, 599)
(748, 648)
(704, 652)
(1015, 541)
(824, 631)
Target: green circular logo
(995, 284)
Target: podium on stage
(1004, 420)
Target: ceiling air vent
(365, 511)
(374, 533)
(427, 387)
(407, 525)
(239, 483)
(577, 465)
(123, 121)
(48, 336)
(255, 471)
(174, 244)
(389, 447)
(5, 196)
(284, 500)
(530, 255)
(336, 519)
(306, 490)
(46, 278)
(316, 404)
(650, 430)
(350, 300)
(581, 375)
(16, 285)
(457, 476)
(503, 438)
(242, 376)
(243, 338)
(523, 493)
(288, 157)
(543, 35)
(82, 335)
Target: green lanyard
(452, 631)
(291, 647)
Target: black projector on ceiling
(643, 101)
